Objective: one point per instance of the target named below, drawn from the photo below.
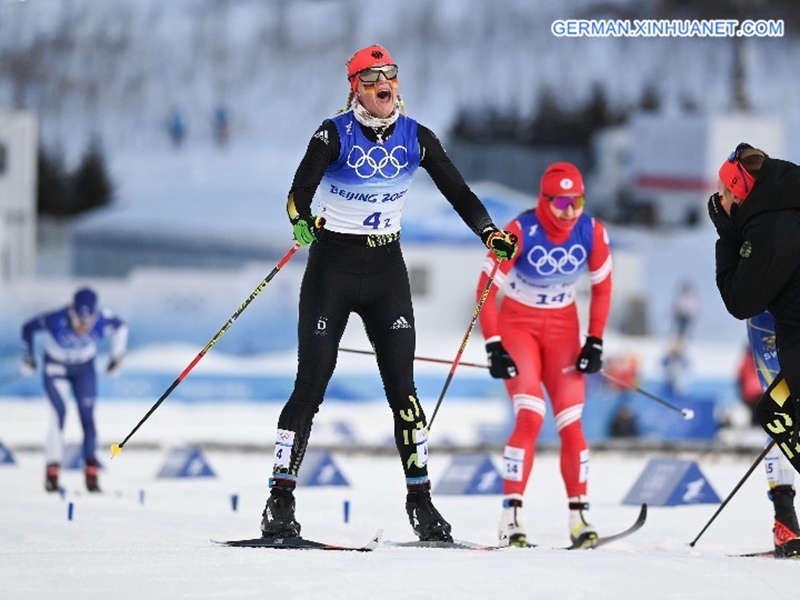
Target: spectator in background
(684, 309)
(676, 370)
(176, 126)
(624, 423)
(73, 333)
(624, 369)
(221, 125)
(749, 386)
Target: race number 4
(374, 221)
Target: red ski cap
(562, 179)
(736, 178)
(365, 58)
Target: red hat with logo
(561, 179)
(365, 58)
(733, 174)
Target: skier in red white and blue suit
(73, 333)
(533, 339)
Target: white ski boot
(510, 531)
(581, 533)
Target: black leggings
(777, 410)
(345, 276)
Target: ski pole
(687, 413)
(735, 489)
(422, 358)
(117, 448)
(478, 308)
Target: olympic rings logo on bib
(558, 259)
(377, 160)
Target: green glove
(306, 228)
(502, 243)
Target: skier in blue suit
(780, 473)
(73, 333)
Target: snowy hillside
(118, 68)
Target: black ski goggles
(372, 74)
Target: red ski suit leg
(543, 342)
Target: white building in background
(660, 169)
(18, 159)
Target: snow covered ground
(146, 537)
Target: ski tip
(375, 541)
(764, 554)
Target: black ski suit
(367, 275)
(758, 269)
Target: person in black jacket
(359, 166)
(757, 216)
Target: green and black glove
(306, 229)
(502, 243)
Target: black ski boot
(786, 531)
(51, 478)
(91, 471)
(427, 522)
(278, 515)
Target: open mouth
(384, 95)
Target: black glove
(716, 213)
(502, 243)
(591, 357)
(113, 366)
(501, 366)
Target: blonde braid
(346, 107)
